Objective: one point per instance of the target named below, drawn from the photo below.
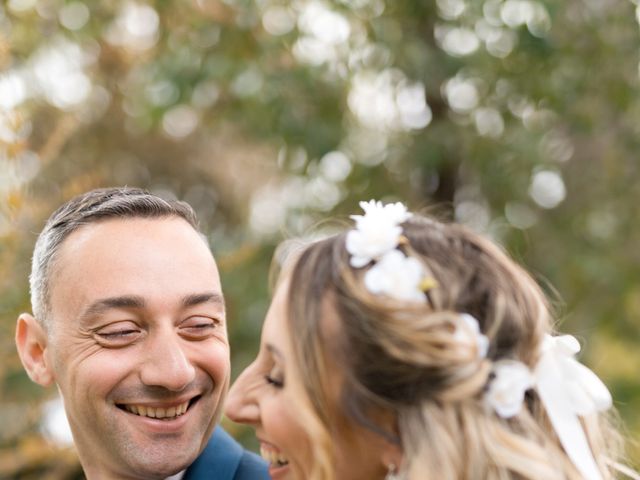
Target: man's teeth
(272, 457)
(159, 412)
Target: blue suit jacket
(224, 459)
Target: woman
(407, 348)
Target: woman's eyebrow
(274, 351)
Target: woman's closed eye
(275, 377)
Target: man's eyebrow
(104, 304)
(200, 298)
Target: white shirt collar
(177, 476)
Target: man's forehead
(120, 225)
(131, 256)
(107, 234)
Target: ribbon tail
(549, 386)
(598, 393)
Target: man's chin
(160, 464)
(141, 447)
(158, 455)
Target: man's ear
(31, 341)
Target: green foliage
(529, 133)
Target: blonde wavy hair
(400, 358)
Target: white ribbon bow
(568, 390)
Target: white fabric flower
(377, 231)
(396, 276)
(506, 390)
(395, 213)
(471, 332)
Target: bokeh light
(513, 117)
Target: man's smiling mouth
(161, 413)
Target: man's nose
(167, 363)
(241, 405)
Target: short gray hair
(91, 207)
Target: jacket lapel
(218, 461)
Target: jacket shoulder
(251, 467)
(224, 459)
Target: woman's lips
(272, 455)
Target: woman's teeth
(274, 458)
(159, 412)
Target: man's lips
(159, 410)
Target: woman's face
(263, 397)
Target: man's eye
(199, 327)
(118, 335)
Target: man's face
(138, 331)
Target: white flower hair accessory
(567, 390)
(377, 232)
(506, 391)
(471, 333)
(375, 239)
(396, 276)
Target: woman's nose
(242, 405)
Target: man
(129, 323)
